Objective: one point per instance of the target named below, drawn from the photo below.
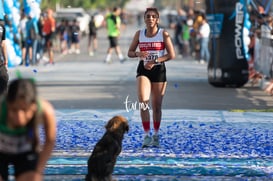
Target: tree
(86, 4)
(49, 4)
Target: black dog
(102, 161)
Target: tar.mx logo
(134, 105)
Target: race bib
(151, 57)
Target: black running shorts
(22, 163)
(156, 74)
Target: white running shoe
(155, 141)
(147, 141)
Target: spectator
(49, 28)
(178, 31)
(186, 38)
(31, 40)
(113, 24)
(204, 34)
(41, 39)
(68, 25)
(190, 23)
(92, 38)
(23, 35)
(195, 38)
(75, 38)
(4, 76)
(62, 35)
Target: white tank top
(154, 45)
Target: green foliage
(49, 4)
(86, 4)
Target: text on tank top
(154, 45)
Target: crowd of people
(39, 35)
(46, 35)
(260, 62)
(49, 35)
(191, 35)
(36, 37)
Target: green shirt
(113, 23)
(186, 32)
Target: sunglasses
(151, 16)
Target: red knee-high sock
(146, 126)
(156, 125)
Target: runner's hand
(149, 65)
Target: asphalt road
(79, 81)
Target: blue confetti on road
(236, 147)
